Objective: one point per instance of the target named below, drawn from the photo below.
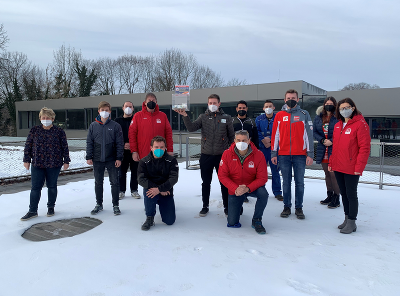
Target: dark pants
(207, 165)
(236, 203)
(125, 164)
(38, 176)
(348, 189)
(276, 178)
(330, 180)
(298, 163)
(98, 169)
(166, 205)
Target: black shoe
(279, 197)
(50, 212)
(257, 225)
(97, 209)
(286, 212)
(203, 212)
(29, 215)
(148, 223)
(246, 199)
(116, 211)
(335, 203)
(328, 199)
(299, 213)
(226, 212)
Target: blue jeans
(235, 204)
(276, 178)
(298, 163)
(166, 206)
(38, 176)
(98, 170)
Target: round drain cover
(60, 228)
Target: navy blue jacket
(264, 130)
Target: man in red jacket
(147, 124)
(243, 171)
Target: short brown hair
(351, 103)
(158, 139)
(103, 104)
(292, 91)
(47, 112)
(150, 95)
(128, 102)
(215, 96)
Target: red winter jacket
(352, 145)
(253, 173)
(145, 126)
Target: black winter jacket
(124, 122)
(249, 125)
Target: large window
(76, 119)
(28, 119)
(60, 119)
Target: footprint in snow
(306, 288)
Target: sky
(326, 43)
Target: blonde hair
(47, 112)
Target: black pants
(98, 169)
(125, 164)
(207, 165)
(348, 189)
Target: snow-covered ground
(201, 256)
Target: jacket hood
(319, 110)
(144, 108)
(232, 148)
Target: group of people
(238, 147)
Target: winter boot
(328, 199)
(279, 197)
(50, 212)
(350, 227)
(341, 226)
(335, 202)
(29, 215)
(148, 223)
(203, 212)
(257, 225)
(286, 212)
(299, 213)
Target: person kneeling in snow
(157, 174)
(243, 171)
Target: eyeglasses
(345, 108)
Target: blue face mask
(158, 152)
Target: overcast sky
(326, 43)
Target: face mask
(158, 152)
(128, 111)
(151, 105)
(213, 108)
(268, 111)
(329, 108)
(346, 113)
(46, 122)
(291, 103)
(241, 146)
(104, 114)
(242, 112)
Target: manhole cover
(60, 228)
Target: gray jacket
(216, 131)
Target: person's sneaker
(97, 209)
(121, 195)
(29, 215)
(299, 213)
(246, 199)
(50, 212)
(237, 225)
(257, 225)
(226, 212)
(148, 223)
(116, 211)
(135, 194)
(279, 197)
(203, 212)
(286, 212)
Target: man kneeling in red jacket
(243, 171)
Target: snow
(200, 255)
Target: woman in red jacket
(349, 158)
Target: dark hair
(133, 106)
(215, 96)
(150, 95)
(325, 117)
(292, 91)
(241, 102)
(351, 103)
(158, 139)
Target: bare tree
(235, 82)
(107, 82)
(359, 85)
(3, 38)
(204, 77)
(149, 81)
(131, 70)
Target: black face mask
(291, 103)
(151, 105)
(329, 108)
(242, 112)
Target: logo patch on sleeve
(221, 162)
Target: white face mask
(46, 122)
(268, 111)
(241, 146)
(128, 111)
(213, 108)
(104, 114)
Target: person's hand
(309, 160)
(117, 163)
(65, 166)
(357, 173)
(27, 165)
(274, 160)
(267, 142)
(329, 169)
(127, 146)
(181, 112)
(327, 143)
(89, 162)
(135, 156)
(242, 189)
(152, 192)
(165, 193)
(171, 153)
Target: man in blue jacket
(264, 124)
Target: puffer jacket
(319, 134)
(253, 172)
(216, 131)
(352, 146)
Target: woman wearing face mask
(46, 148)
(324, 124)
(349, 157)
